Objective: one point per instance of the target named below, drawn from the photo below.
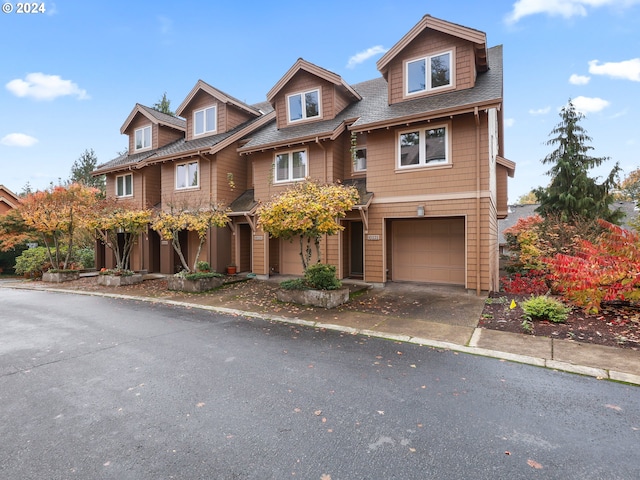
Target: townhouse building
(423, 143)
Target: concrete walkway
(440, 317)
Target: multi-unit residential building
(8, 200)
(423, 143)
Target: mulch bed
(614, 326)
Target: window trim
(355, 160)
(290, 178)
(215, 120)
(187, 187)
(135, 133)
(304, 110)
(422, 148)
(427, 59)
(124, 195)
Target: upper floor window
(291, 166)
(124, 185)
(359, 152)
(423, 147)
(204, 121)
(428, 73)
(143, 138)
(187, 175)
(304, 105)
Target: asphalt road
(98, 388)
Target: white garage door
(429, 250)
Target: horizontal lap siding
(304, 81)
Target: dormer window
(304, 105)
(204, 121)
(143, 138)
(429, 73)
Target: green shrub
(201, 275)
(294, 284)
(322, 277)
(203, 266)
(546, 308)
(31, 261)
(84, 256)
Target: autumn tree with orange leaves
(114, 217)
(55, 215)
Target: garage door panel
(429, 250)
(290, 262)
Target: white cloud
(540, 111)
(589, 105)
(18, 140)
(509, 122)
(40, 86)
(563, 8)
(579, 79)
(626, 70)
(365, 55)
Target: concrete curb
(471, 348)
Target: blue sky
(70, 76)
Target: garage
(428, 250)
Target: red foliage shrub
(531, 283)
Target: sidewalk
(435, 316)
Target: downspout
(478, 226)
(324, 167)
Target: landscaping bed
(614, 325)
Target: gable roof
(374, 111)
(8, 197)
(302, 64)
(217, 94)
(428, 22)
(154, 117)
(183, 148)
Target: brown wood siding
(262, 163)
(385, 180)
(152, 185)
(426, 43)
(167, 135)
(203, 100)
(228, 162)
(236, 117)
(301, 82)
(190, 196)
(502, 176)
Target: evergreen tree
(164, 105)
(571, 192)
(81, 172)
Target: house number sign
(373, 237)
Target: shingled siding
(429, 43)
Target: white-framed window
(142, 138)
(422, 147)
(204, 121)
(124, 185)
(360, 160)
(429, 73)
(290, 166)
(304, 105)
(187, 175)
(359, 152)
